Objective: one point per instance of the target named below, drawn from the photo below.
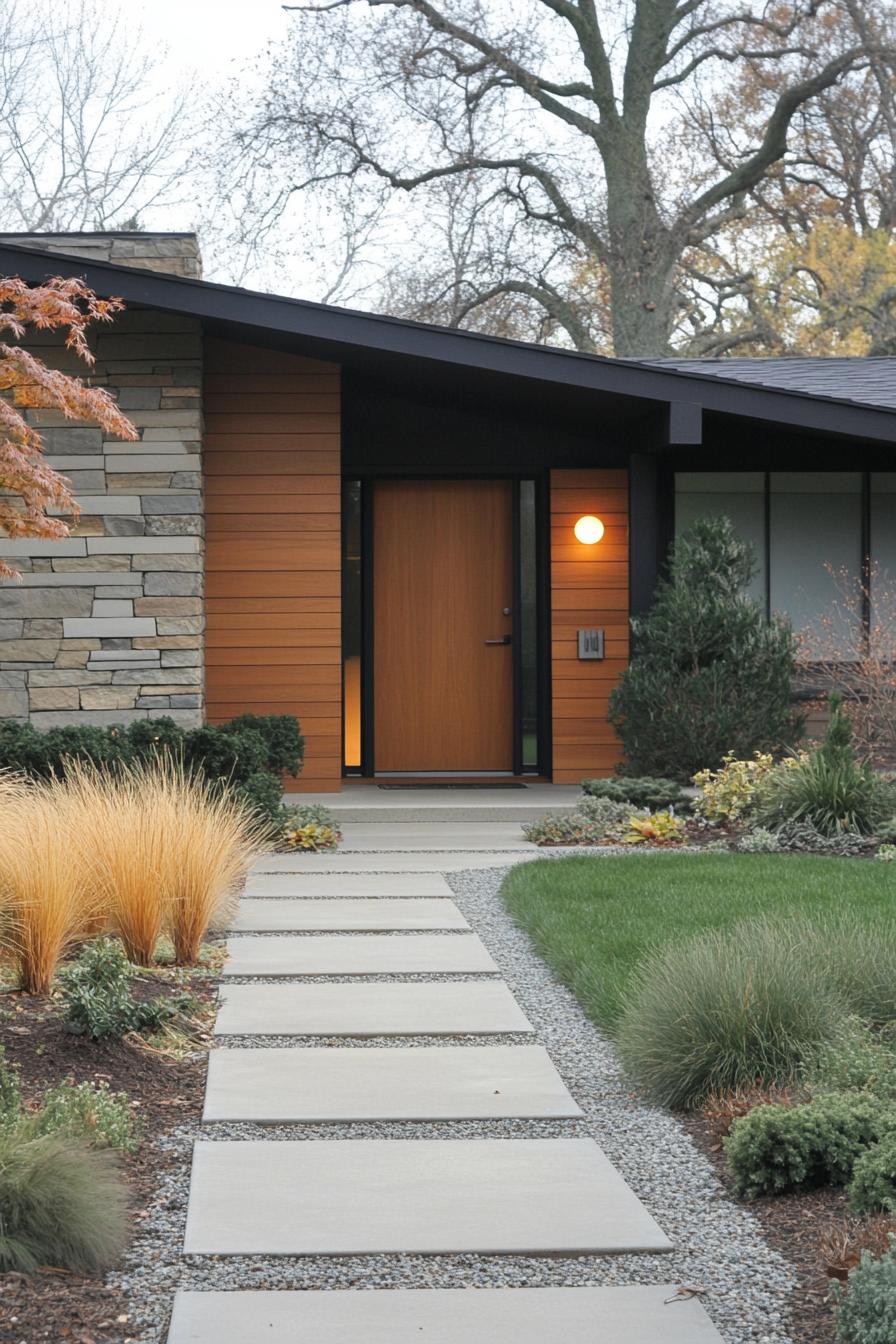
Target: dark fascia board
(341, 330)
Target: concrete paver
(624, 1315)
(419, 1196)
(359, 954)
(345, 915)
(378, 1008)
(346, 884)
(271, 1086)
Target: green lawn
(591, 919)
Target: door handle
(505, 639)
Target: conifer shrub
(711, 674)
(639, 791)
(866, 1313)
(873, 1185)
(776, 1149)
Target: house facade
(383, 527)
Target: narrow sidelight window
(351, 625)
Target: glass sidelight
(351, 625)
(527, 625)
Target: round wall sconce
(589, 530)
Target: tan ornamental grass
(217, 837)
(162, 852)
(120, 837)
(45, 907)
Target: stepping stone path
(366, 914)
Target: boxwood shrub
(249, 753)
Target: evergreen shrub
(711, 674)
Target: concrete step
(625, 1315)
(370, 803)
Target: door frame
(541, 481)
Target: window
(738, 495)
(815, 527)
(883, 550)
(351, 625)
(528, 625)
(804, 525)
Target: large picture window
(815, 535)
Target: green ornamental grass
(62, 1204)
(723, 1010)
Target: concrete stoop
(370, 803)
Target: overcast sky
(212, 37)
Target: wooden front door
(443, 580)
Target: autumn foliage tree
(30, 486)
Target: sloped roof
(378, 343)
(867, 381)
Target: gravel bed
(719, 1245)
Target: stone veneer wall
(106, 626)
(173, 253)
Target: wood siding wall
(589, 587)
(273, 552)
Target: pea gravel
(719, 1246)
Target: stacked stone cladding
(173, 253)
(106, 626)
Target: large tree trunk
(642, 256)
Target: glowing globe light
(589, 530)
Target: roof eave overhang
(338, 330)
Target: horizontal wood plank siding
(273, 551)
(589, 587)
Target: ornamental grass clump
(212, 839)
(163, 851)
(827, 789)
(725, 1010)
(123, 839)
(62, 1204)
(45, 905)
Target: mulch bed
(793, 1225)
(54, 1305)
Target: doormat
(509, 785)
